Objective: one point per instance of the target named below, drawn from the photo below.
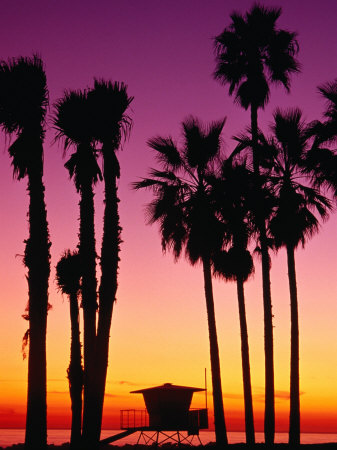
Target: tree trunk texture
(219, 416)
(108, 285)
(37, 260)
(269, 417)
(75, 373)
(87, 253)
(269, 414)
(247, 389)
(294, 420)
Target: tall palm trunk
(269, 418)
(87, 253)
(109, 269)
(219, 416)
(75, 373)
(269, 414)
(37, 260)
(247, 389)
(294, 422)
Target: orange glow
(152, 344)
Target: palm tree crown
(73, 124)
(24, 101)
(251, 52)
(23, 105)
(69, 272)
(109, 102)
(181, 205)
(294, 220)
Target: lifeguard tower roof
(168, 387)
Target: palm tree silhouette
(293, 223)
(23, 104)
(232, 191)
(68, 277)
(108, 102)
(250, 54)
(73, 122)
(187, 219)
(321, 158)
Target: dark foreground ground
(212, 446)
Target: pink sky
(163, 51)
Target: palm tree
(73, 122)
(68, 276)
(321, 159)
(109, 103)
(187, 219)
(23, 104)
(293, 223)
(232, 192)
(250, 54)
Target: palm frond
(27, 154)
(321, 164)
(145, 183)
(329, 92)
(201, 143)
(165, 175)
(167, 152)
(315, 200)
(83, 167)
(282, 60)
(181, 204)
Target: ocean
(9, 437)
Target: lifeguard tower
(167, 416)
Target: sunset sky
(163, 51)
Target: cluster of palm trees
(94, 122)
(85, 119)
(268, 193)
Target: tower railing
(134, 418)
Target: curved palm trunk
(294, 422)
(75, 373)
(87, 253)
(108, 286)
(37, 260)
(269, 414)
(219, 416)
(247, 389)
